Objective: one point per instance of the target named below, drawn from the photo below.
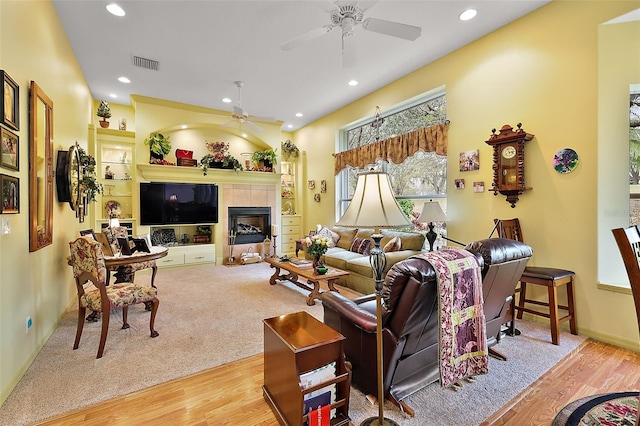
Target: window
(420, 177)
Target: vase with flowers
(317, 245)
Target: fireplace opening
(250, 224)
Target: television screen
(164, 203)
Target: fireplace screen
(250, 224)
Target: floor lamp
(374, 206)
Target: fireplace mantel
(159, 173)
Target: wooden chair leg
(553, 313)
(573, 325)
(81, 312)
(154, 270)
(125, 314)
(521, 299)
(152, 321)
(104, 332)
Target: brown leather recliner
(410, 317)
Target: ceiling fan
(240, 116)
(346, 15)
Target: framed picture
(469, 160)
(10, 150)
(311, 184)
(9, 108)
(323, 186)
(10, 194)
(478, 186)
(88, 233)
(459, 183)
(316, 198)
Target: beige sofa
(360, 277)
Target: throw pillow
(394, 244)
(361, 245)
(326, 232)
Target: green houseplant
(89, 179)
(224, 160)
(104, 112)
(159, 146)
(267, 157)
(289, 149)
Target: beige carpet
(212, 315)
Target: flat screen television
(165, 203)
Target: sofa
(355, 258)
(410, 317)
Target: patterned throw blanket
(462, 340)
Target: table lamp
(431, 212)
(374, 206)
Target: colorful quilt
(462, 339)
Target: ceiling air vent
(149, 64)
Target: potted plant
(220, 161)
(203, 234)
(159, 146)
(268, 158)
(104, 111)
(89, 178)
(289, 149)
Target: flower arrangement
(218, 154)
(289, 149)
(317, 245)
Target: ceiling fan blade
(348, 51)
(262, 119)
(253, 126)
(304, 38)
(327, 5)
(227, 124)
(390, 28)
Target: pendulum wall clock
(508, 161)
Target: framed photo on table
(10, 194)
(10, 150)
(9, 107)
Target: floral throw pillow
(361, 245)
(326, 232)
(394, 244)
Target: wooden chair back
(509, 228)
(628, 240)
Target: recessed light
(290, 126)
(124, 79)
(468, 14)
(113, 95)
(116, 10)
(244, 135)
(226, 100)
(353, 83)
(299, 114)
(184, 126)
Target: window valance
(397, 148)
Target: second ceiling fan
(347, 15)
(240, 116)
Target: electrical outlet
(29, 323)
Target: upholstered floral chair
(88, 265)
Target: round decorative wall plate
(565, 160)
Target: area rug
(610, 409)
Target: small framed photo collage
(10, 144)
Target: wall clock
(68, 176)
(508, 161)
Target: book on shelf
(317, 376)
(318, 408)
(301, 263)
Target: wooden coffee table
(293, 273)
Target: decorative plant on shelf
(267, 157)
(159, 146)
(89, 184)
(219, 157)
(104, 112)
(289, 149)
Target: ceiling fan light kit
(240, 116)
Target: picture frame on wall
(10, 150)
(9, 107)
(10, 194)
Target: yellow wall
(33, 46)
(540, 70)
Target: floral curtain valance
(397, 148)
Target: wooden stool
(551, 278)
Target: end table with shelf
(295, 344)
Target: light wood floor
(236, 399)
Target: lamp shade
(432, 212)
(373, 205)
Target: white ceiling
(204, 46)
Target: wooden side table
(295, 344)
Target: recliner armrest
(350, 309)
